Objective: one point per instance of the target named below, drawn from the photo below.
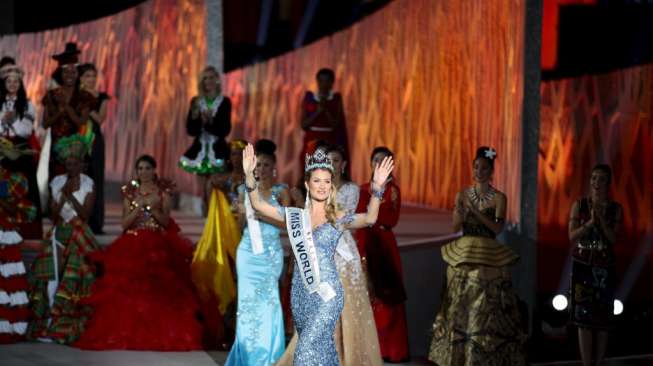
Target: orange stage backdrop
(430, 79)
(148, 57)
(605, 118)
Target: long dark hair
(21, 97)
(146, 158)
(340, 151)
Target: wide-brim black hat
(70, 55)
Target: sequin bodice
(145, 220)
(315, 319)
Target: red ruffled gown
(378, 246)
(145, 299)
(14, 306)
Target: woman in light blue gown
(316, 300)
(260, 337)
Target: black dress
(209, 152)
(593, 275)
(96, 169)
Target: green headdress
(71, 146)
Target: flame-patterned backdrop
(606, 118)
(148, 59)
(432, 80)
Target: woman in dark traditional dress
(594, 223)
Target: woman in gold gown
(479, 321)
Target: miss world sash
(298, 224)
(253, 227)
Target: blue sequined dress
(315, 319)
(260, 334)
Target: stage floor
(420, 233)
(38, 354)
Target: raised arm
(612, 229)
(307, 119)
(83, 209)
(161, 212)
(194, 120)
(221, 123)
(459, 211)
(24, 126)
(130, 212)
(261, 206)
(381, 174)
(77, 119)
(51, 111)
(576, 230)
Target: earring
(274, 173)
(307, 201)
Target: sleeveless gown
(260, 335)
(145, 299)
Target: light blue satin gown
(315, 319)
(260, 338)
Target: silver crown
(319, 160)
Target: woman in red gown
(145, 299)
(15, 208)
(379, 252)
(323, 116)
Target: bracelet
(378, 193)
(251, 189)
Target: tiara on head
(319, 160)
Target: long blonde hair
(200, 79)
(330, 206)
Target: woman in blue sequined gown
(315, 314)
(260, 334)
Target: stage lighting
(560, 302)
(618, 307)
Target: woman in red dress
(323, 116)
(379, 252)
(15, 208)
(145, 299)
